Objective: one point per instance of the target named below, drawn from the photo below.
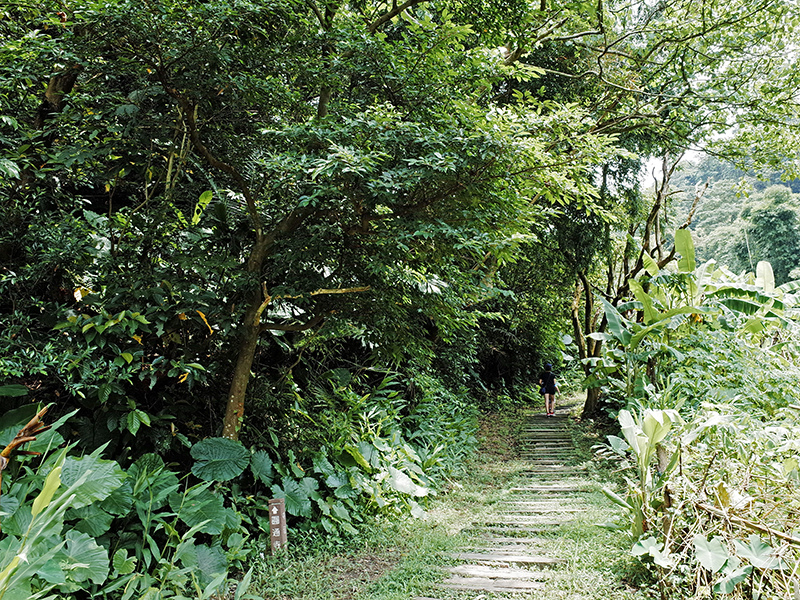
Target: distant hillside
(742, 218)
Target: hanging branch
(33, 428)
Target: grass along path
(520, 525)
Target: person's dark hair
(548, 366)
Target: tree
(256, 170)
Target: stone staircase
(510, 549)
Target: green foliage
(219, 459)
(732, 383)
(68, 523)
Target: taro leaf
(8, 506)
(619, 445)
(199, 505)
(122, 564)
(340, 511)
(710, 553)
(644, 546)
(207, 562)
(370, 453)
(649, 546)
(757, 552)
(103, 477)
(120, 501)
(94, 521)
(83, 559)
(345, 491)
(417, 511)
(211, 562)
(402, 483)
(233, 520)
(310, 486)
(219, 459)
(261, 467)
(727, 584)
(297, 501)
(337, 480)
(18, 523)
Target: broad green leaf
(402, 483)
(358, 457)
(619, 445)
(617, 499)
(650, 313)
(685, 247)
(202, 203)
(760, 554)
(120, 501)
(122, 563)
(710, 553)
(616, 323)
(765, 277)
(211, 562)
(728, 584)
(219, 459)
(650, 265)
(297, 501)
(8, 506)
(13, 390)
(649, 546)
(103, 477)
(630, 430)
(657, 423)
(82, 559)
(94, 521)
(261, 467)
(201, 508)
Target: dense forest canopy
(332, 230)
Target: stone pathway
(510, 546)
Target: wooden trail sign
(277, 525)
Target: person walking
(547, 381)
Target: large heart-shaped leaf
(197, 506)
(102, 478)
(261, 467)
(82, 559)
(710, 553)
(727, 584)
(297, 501)
(219, 459)
(760, 554)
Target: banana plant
(643, 434)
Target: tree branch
(391, 14)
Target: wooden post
(277, 524)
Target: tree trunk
(234, 409)
(591, 407)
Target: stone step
(502, 557)
(513, 540)
(550, 489)
(489, 585)
(544, 510)
(496, 572)
(511, 528)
